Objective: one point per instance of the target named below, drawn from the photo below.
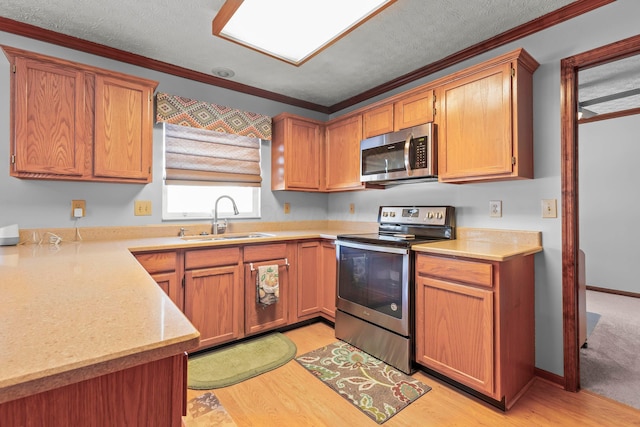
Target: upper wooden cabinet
(306, 155)
(123, 128)
(75, 122)
(296, 150)
(377, 121)
(342, 154)
(411, 109)
(485, 121)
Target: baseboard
(614, 291)
(549, 376)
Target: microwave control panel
(419, 157)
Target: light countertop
(486, 244)
(77, 310)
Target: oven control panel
(429, 215)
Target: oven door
(373, 284)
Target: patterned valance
(182, 111)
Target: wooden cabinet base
(152, 394)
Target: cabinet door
(328, 284)
(295, 154)
(309, 279)
(123, 126)
(475, 134)
(214, 303)
(259, 317)
(170, 284)
(455, 332)
(342, 145)
(48, 118)
(414, 110)
(377, 121)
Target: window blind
(202, 157)
(210, 144)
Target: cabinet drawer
(203, 258)
(256, 253)
(157, 262)
(476, 273)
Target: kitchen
(27, 202)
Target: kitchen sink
(213, 237)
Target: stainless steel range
(375, 280)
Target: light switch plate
(142, 207)
(549, 208)
(495, 208)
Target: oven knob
(439, 215)
(430, 215)
(393, 214)
(385, 214)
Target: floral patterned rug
(205, 411)
(377, 389)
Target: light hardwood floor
(290, 396)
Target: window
(196, 201)
(201, 165)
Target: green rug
(231, 365)
(377, 389)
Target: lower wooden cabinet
(309, 283)
(216, 287)
(214, 294)
(316, 280)
(259, 317)
(475, 323)
(150, 394)
(166, 269)
(328, 282)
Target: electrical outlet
(495, 208)
(78, 208)
(352, 208)
(142, 208)
(549, 208)
(287, 208)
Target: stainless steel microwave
(398, 156)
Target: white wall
(609, 204)
(46, 203)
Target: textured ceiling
(609, 88)
(406, 36)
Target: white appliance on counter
(9, 235)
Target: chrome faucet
(214, 225)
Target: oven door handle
(376, 248)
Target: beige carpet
(610, 365)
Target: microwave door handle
(407, 163)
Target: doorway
(571, 294)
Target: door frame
(569, 177)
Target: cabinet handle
(286, 264)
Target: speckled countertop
(486, 244)
(77, 310)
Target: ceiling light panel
(292, 30)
